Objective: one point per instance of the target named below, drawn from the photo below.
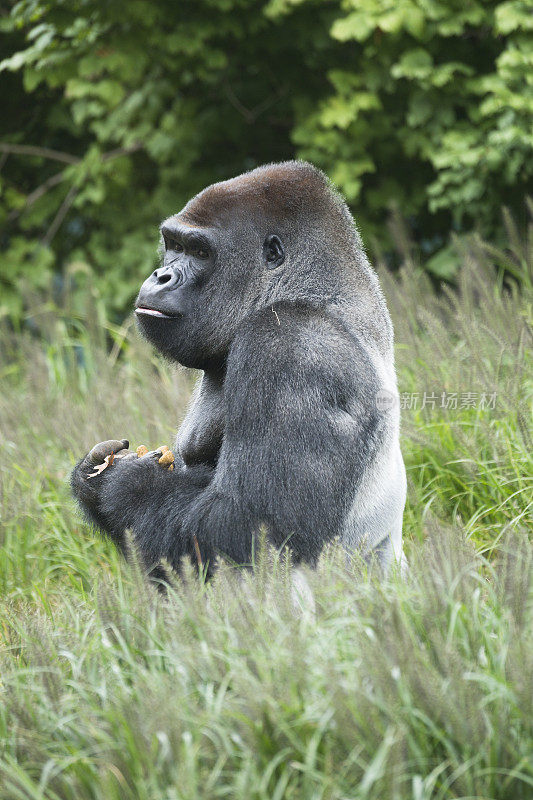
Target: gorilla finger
(103, 449)
(155, 455)
(125, 454)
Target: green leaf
(513, 16)
(444, 264)
(357, 25)
(414, 64)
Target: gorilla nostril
(162, 276)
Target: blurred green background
(114, 114)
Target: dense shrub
(114, 114)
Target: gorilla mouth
(153, 312)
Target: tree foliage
(114, 114)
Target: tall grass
(469, 466)
(419, 688)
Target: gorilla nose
(164, 276)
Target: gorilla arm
(298, 436)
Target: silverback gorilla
(294, 429)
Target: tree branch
(41, 152)
(37, 193)
(121, 151)
(252, 114)
(64, 208)
(54, 180)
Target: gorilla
(293, 431)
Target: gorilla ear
(273, 251)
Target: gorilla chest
(200, 437)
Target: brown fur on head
(286, 190)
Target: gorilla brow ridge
(183, 234)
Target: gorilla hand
(105, 466)
(96, 457)
(88, 475)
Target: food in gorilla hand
(166, 460)
(108, 460)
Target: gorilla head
(238, 245)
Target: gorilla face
(170, 307)
(187, 307)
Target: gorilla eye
(273, 251)
(202, 253)
(173, 244)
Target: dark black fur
(268, 291)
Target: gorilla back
(294, 428)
